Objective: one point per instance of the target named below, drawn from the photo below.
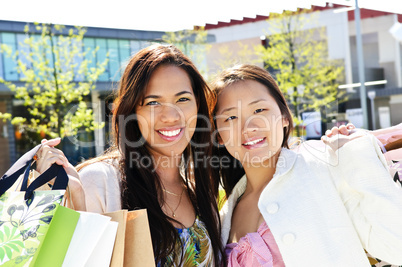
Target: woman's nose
(249, 127)
(170, 113)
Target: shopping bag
(102, 253)
(25, 216)
(92, 242)
(133, 245)
(54, 247)
(118, 251)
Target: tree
(298, 58)
(228, 58)
(58, 73)
(192, 43)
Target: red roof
(364, 13)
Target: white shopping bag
(94, 237)
(102, 254)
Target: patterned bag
(25, 216)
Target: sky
(159, 15)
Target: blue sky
(158, 15)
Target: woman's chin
(265, 160)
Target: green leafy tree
(57, 74)
(228, 58)
(192, 43)
(298, 58)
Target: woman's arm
(371, 198)
(101, 184)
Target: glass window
(136, 45)
(114, 61)
(62, 44)
(10, 67)
(124, 51)
(78, 59)
(101, 57)
(89, 46)
(37, 58)
(23, 50)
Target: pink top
(255, 249)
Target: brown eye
(259, 110)
(183, 99)
(152, 103)
(231, 118)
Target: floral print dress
(194, 245)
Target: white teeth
(170, 133)
(253, 142)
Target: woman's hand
(338, 137)
(47, 156)
(343, 129)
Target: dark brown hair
(141, 187)
(230, 176)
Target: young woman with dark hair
(315, 207)
(162, 131)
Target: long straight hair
(230, 176)
(141, 186)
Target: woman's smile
(171, 134)
(256, 142)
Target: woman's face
(249, 122)
(168, 115)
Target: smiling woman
(167, 115)
(160, 115)
(318, 206)
(264, 125)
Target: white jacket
(325, 208)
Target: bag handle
(60, 182)
(24, 164)
(12, 175)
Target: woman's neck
(168, 169)
(260, 174)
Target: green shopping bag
(31, 220)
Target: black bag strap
(21, 165)
(60, 182)
(24, 164)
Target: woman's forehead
(168, 80)
(243, 92)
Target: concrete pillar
(99, 114)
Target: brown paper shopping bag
(133, 245)
(118, 251)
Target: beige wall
(226, 54)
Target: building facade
(117, 43)
(234, 40)
(381, 51)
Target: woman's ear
(285, 122)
